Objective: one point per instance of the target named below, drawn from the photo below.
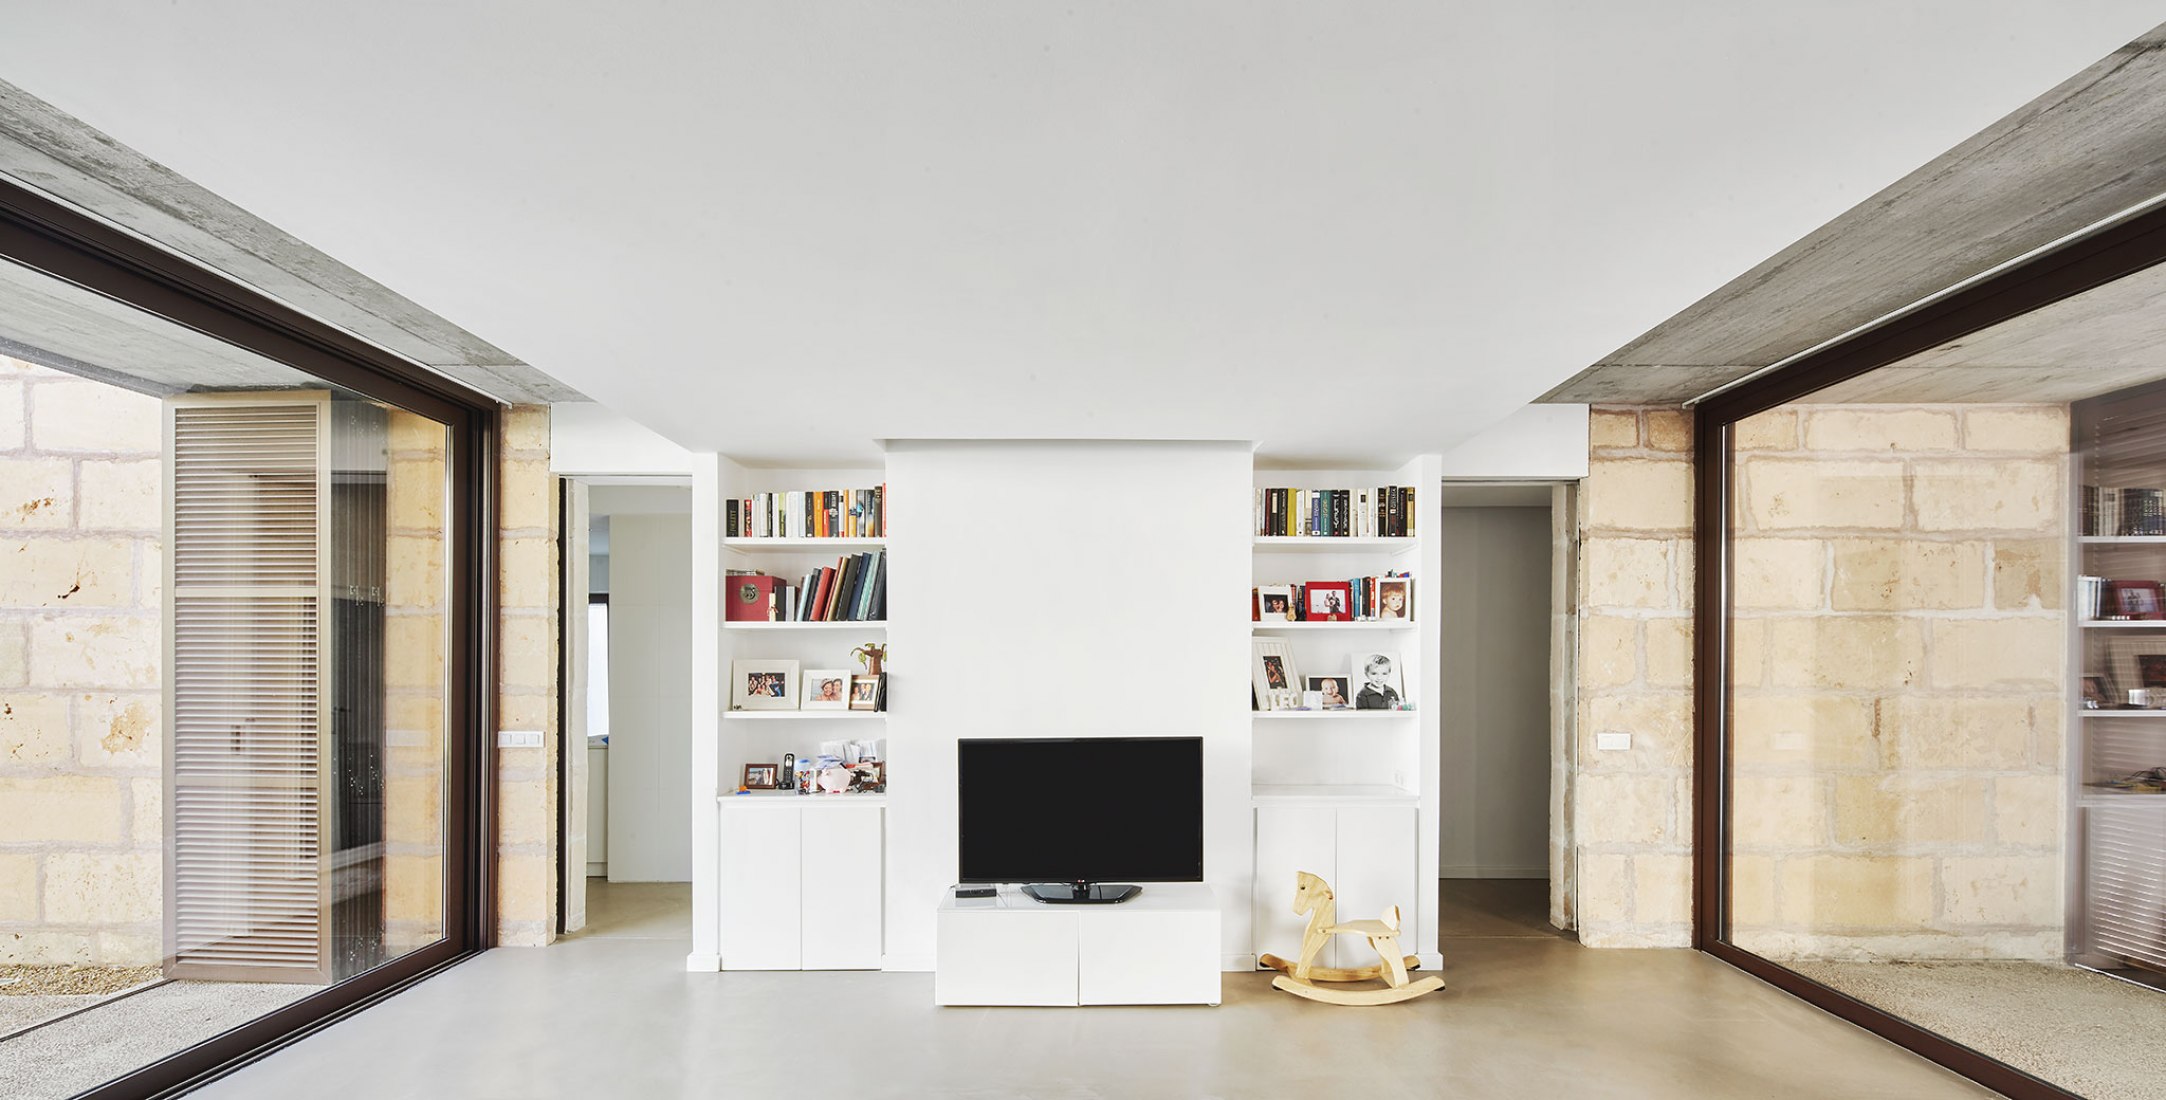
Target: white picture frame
(817, 679)
(1265, 594)
(1379, 680)
(752, 689)
(1277, 678)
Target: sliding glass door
(239, 668)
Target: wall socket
(518, 739)
(1613, 742)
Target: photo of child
(1274, 671)
(1381, 688)
(1391, 597)
(1332, 689)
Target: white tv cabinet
(1158, 948)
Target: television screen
(1092, 809)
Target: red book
(827, 590)
(747, 599)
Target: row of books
(1385, 598)
(1386, 511)
(2110, 511)
(808, 514)
(853, 590)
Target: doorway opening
(1506, 711)
(627, 620)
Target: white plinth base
(1161, 948)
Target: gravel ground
(33, 994)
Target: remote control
(976, 891)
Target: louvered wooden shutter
(2125, 912)
(248, 761)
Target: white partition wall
(1052, 589)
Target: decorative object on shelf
(1277, 681)
(1382, 685)
(2148, 781)
(1331, 692)
(762, 777)
(2138, 600)
(1313, 897)
(2138, 662)
(827, 689)
(868, 691)
(1384, 512)
(763, 685)
(751, 597)
(1274, 602)
(1329, 601)
(788, 775)
(808, 514)
(834, 780)
(2097, 692)
(871, 654)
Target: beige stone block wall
(81, 516)
(1631, 810)
(416, 598)
(527, 681)
(1899, 681)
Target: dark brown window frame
(53, 238)
(2071, 268)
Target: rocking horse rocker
(1313, 896)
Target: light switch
(518, 739)
(1613, 742)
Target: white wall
(650, 698)
(590, 439)
(1535, 442)
(1051, 589)
(1496, 728)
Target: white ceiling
(789, 230)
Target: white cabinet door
(841, 848)
(1146, 958)
(759, 886)
(1376, 863)
(1289, 840)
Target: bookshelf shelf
(2125, 624)
(867, 624)
(1333, 793)
(755, 546)
(804, 716)
(2120, 712)
(1325, 544)
(1334, 715)
(1373, 624)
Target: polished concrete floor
(1527, 1013)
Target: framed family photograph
(1394, 598)
(1275, 603)
(865, 692)
(1277, 681)
(763, 685)
(762, 777)
(1331, 692)
(1330, 601)
(826, 689)
(2098, 692)
(1380, 683)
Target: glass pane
(223, 636)
(1925, 814)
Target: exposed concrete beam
(2088, 149)
(54, 152)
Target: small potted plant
(870, 655)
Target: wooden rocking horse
(1313, 896)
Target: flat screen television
(1080, 819)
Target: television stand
(1081, 893)
(1162, 948)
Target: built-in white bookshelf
(874, 625)
(1370, 774)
